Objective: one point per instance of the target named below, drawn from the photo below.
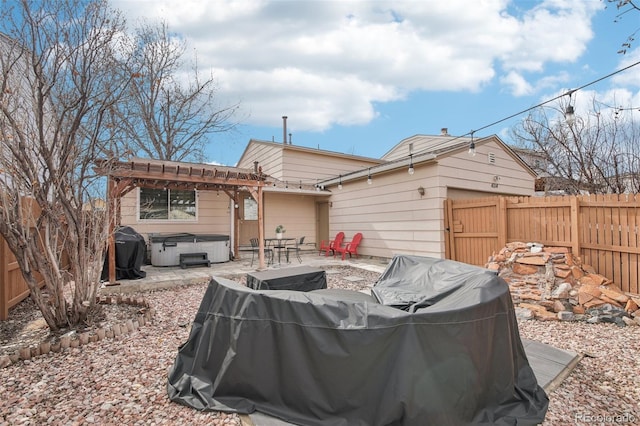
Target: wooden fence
(13, 288)
(603, 230)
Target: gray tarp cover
(438, 345)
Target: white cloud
(516, 84)
(330, 62)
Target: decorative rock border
(73, 339)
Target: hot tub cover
(438, 344)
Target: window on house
(167, 204)
(250, 209)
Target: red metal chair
(351, 247)
(330, 246)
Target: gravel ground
(123, 380)
(604, 389)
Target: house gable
(296, 163)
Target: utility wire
(472, 132)
(569, 93)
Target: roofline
(310, 150)
(381, 168)
(428, 156)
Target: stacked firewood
(550, 283)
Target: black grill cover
(131, 251)
(452, 357)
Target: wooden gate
(475, 229)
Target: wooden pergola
(124, 176)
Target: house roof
(291, 147)
(425, 148)
(419, 144)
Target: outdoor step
(194, 259)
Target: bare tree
(596, 153)
(624, 7)
(170, 112)
(60, 75)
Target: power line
(569, 93)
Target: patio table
(300, 278)
(278, 245)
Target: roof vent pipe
(444, 131)
(284, 129)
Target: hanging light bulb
(569, 115)
(569, 112)
(411, 169)
(472, 146)
(300, 186)
(340, 182)
(369, 181)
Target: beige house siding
(296, 212)
(395, 219)
(421, 143)
(295, 163)
(313, 166)
(268, 156)
(213, 216)
(477, 173)
(390, 213)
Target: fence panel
(13, 288)
(601, 229)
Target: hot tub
(166, 248)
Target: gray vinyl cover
(437, 345)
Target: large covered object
(131, 251)
(437, 344)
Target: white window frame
(168, 220)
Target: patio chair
(330, 246)
(255, 248)
(351, 247)
(296, 249)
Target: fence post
(575, 226)
(502, 222)
(451, 249)
(4, 282)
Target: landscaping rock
(553, 284)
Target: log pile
(550, 283)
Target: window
(250, 209)
(167, 204)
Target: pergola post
(260, 200)
(112, 196)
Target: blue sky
(359, 76)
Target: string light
(369, 181)
(340, 182)
(472, 146)
(411, 169)
(569, 113)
